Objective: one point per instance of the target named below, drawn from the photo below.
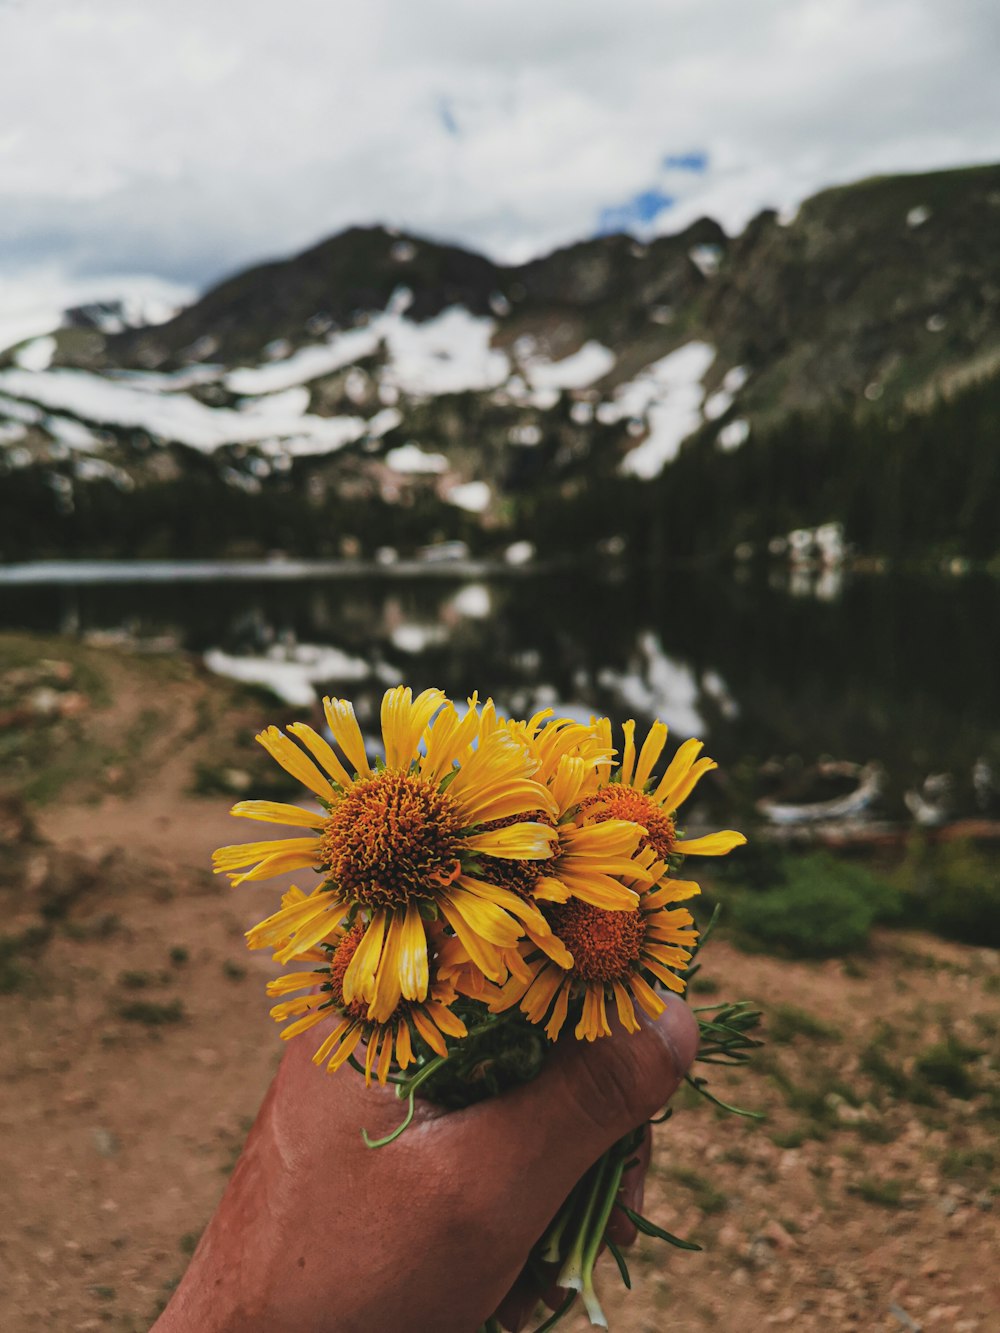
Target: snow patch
(291, 672)
(472, 601)
(178, 417)
(733, 434)
(668, 395)
(592, 362)
(660, 687)
(36, 355)
(706, 258)
(472, 496)
(916, 217)
(410, 458)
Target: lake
(776, 673)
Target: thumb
(589, 1095)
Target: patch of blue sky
(446, 115)
(639, 211)
(696, 161)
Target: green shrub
(824, 907)
(952, 889)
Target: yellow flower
(611, 950)
(385, 1042)
(395, 843)
(593, 859)
(632, 795)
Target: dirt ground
(136, 1048)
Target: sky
(187, 139)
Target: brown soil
(136, 1048)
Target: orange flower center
(618, 802)
(605, 945)
(391, 839)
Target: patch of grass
(875, 1131)
(886, 1193)
(14, 976)
(975, 1164)
(151, 1013)
(704, 985)
(188, 1243)
(178, 955)
(233, 971)
(786, 1021)
(706, 1196)
(790, 1138)
(135, 980)
(946, 1065)
(104, 1293)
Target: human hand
(316, 1233)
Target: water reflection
(896, 670)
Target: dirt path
(136, 1048)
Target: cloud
(191, 139)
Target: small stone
(106, 1143)
(775, 1232)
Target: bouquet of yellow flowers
(487, 885)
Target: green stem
(699, 1086)
(571, 1273)
(611, 1186)
(550, 1246)
(557, 1315)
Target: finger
(588, 1096)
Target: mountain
(385, 390)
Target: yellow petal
(663, 974)
(321, 750)
(293, 981)
(344, 728)
(429, 1032)
(388, 988)
(626, 1012)
(300, 1025)
(713, 844)
(600, 891)
(308, 935)
(404, 1047)
(347, 1048)
(558, 1016)
(293, 761)
(404, 720)
(628, 754)
(490, 922)
(594, 1020)
(481, 952)
(679, 794)
(677, 771)
(359, 978)
(247, 853)
(536, 1003)
(550, 890)
(413, 967)
(653, 1004)
(515, 842)
(671, 891)
(652, 748)
(448, 741)
(274, 812)
(331, 1040)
